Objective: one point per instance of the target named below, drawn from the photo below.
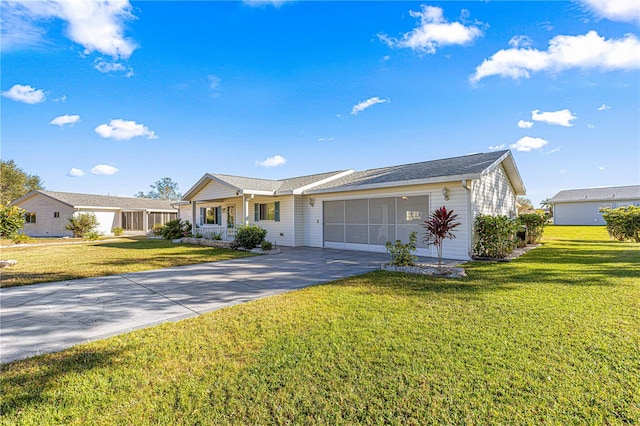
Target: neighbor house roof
(457, 168)
(610, 193)
(76, 200)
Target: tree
(11, 220)
(163, 189)
(82, 224)
(439, 227)
(524, 205)
(547, 204)
(14, 182)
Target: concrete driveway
(46, 318)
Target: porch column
(145, 220)
(193, 217)
(246, 210)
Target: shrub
(534, 224)
(20, 238)
(250, 236)
(117, 231)
(439, 227)
(623, 223)
(157, 229)
(11, 220)
(494, 236)
(92, 235)
(266, 245)
(82, 223)
(176, 228)
(217, 236)
(198, 235)
(401, 253)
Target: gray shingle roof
(284, 185)
(465, 165)
(598, 194)
(91, 200)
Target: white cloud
(600, 168)
(275, 161)
(528, 143)
(104, 169)
(325, 139)
(65, 119)
(615, 10)
(591, 126)
(496, 147)
(214, 82)
(523, 124)
(25, 94)
(75, 172)
(367, 104)
(559, 118)
(62, 99)
(434, 31)
(563, 171)
(106, 67)
(589, 51)
(554, 150)
(604, 107)
(520, 41)
(96, 25)
(124, 130)
(274, 3)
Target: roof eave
(413, 182)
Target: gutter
(466, 184)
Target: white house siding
(184, 212)
(282, 232)
(214, 191)
(46, 225)
(579, 213)
(300, 222)
(107, 219)
(493, 194)
(457, 248)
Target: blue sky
(108, 97)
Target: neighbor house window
(210, 216)
(56, 215)
(269, 211)
(30, 217)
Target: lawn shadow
(25, 383)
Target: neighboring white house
(47, 212)
(359, 210)
(582, 206)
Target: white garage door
(368, 223)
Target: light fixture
(445, 193)
(312, 201)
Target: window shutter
(277, 208)
(203, 214)
(218, 215)
(256, 212)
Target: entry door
(231, 216)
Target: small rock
(6, 263)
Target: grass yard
(40, 264)
(551, 338)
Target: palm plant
(439, 227)
(547, 204)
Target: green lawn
(40, 264)
(551, 338)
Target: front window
(210, 216)
(268, 211)
(30, 217)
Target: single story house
(582, 206)
(46, 212)
(359, 210)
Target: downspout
(466, 184)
